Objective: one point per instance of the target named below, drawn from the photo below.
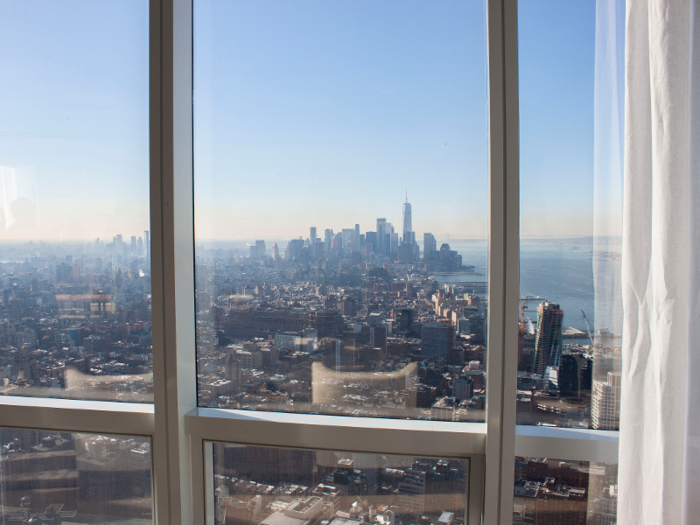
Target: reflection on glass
(52, 478)
(75, 280)
(341, 203)
(571, 205)
(276, 486)
(559, 491)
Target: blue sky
(74, 118)
(324, 113)
(556, 66)
(306, 113)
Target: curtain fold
(660, 405)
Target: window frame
(181, 432)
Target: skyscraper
(381, 240)
(260, 248)
(548, 337)
(407, 228)
(605, 403)
(371, 242)
(575, 374)
(312, 236)
(429, 246)
(348, 236)
(328, 240)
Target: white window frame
(182, 433)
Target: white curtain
(660, 407)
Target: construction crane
(588, 327)
(523, 306)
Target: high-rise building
(407, 228)
(348, 307)
(575, 374)
(548, 337)
(371, 242)
(393, 243)
(348, 236)
(337, 243)
(405, 253)
(437, 340)
(605, 403)
(429, 247)
(260, 246)
(328, 236)
(382, 246)
(312, 235)
(293, 250)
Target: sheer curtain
(660, 407)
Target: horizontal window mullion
(79, 417)
(572, 444)
(460, 440)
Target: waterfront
(558, 270)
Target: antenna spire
(406, 194)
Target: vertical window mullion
(172, 261)
(512, 256)
(496, 346)
(504, 259)
(160, 456)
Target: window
(202, 346)
(52, 476)
(570, 325)
(276, 485)
(309, 144)
(76, 304)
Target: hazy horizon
(306, 114)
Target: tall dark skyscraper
(548, 337)
(575, 374)
(429, 246)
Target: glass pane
(341, 207)
(560, 491)
(59, 477)
(278, 486)
(571, 78)
(75, 309)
